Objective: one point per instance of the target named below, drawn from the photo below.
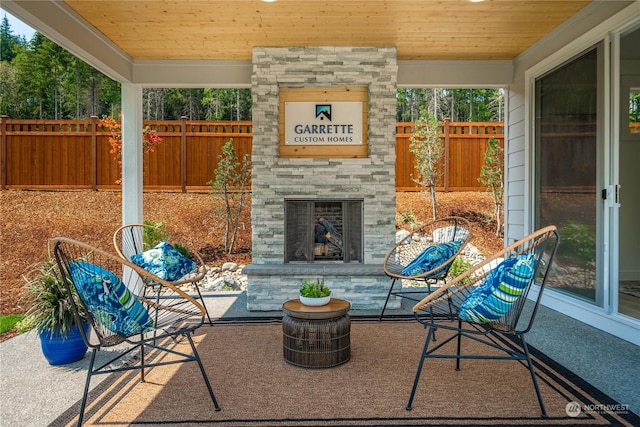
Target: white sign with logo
(323, 123)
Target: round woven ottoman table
(316, 336)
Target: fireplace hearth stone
(364, 285)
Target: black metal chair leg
(393, 283)
(459, 346)
(86, 386)
(203, 304)
(533, 377)
(431, 313)
(142, 361)
(202, 371)
(422, 357)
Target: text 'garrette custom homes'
(304, 123)
(323, 133)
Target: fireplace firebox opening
(323, 231)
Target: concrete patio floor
(33, 393)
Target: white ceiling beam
(455, 73)
(193, 73)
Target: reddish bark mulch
(31, 218)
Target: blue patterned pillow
(164, 261)
(113, 305)
(431, 258)
(499, 290)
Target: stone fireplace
(319, 216)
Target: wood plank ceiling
(420, 29)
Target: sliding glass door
(627, 165)
(568, 140)
(586, 172)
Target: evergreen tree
(10, 44)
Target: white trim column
(131, 154)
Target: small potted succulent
(314, 292)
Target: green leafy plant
(182, 249)
(232, 178)
(314, 289)
(492, 176)
(428, 149)
(49, 306)
(459, 266)
(152, 236)
(408, 219)
(578, 247)
(578, 241)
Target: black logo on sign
(323, 111)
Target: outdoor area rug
(255, 386)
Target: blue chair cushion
(109, 300)
(431, 258)
(164, 261)
(500, 289)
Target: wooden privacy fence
(75, 154)
(464, 147)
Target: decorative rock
(229, 266)
(213, 285)
(472, 254)
(401, 234)
(229, 277)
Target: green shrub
(183, 250)
(232, 177)
(152, 236)
(409, 219)
(578, 242)
(9, 322)
(25, 325)
(459, 266)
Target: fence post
(183, 153)
(94, 153)
(447, 154)
(3, 153)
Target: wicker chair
(122, 319)
(445, 237)
(486, 304)
(128, 241)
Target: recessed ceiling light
(476, 1)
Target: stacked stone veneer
(274, 179)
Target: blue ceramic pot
(60, 350)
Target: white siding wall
(575, 36)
